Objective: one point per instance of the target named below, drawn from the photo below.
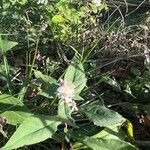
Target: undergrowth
(74, 74)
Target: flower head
(42, 2)
(65, 93)
(97, 2)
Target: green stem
(7, 72)
(29, 74)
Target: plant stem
(7, 73)
(29, 74)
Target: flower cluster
(42, 2)
(65, 93)
(97, 2)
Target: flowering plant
(65, 93)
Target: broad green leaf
(112, 82)
(135, 71)
(6, 45)
(77, 97)
(75, 74)
(113, 132)
(45, 79)
(22, 2)
(45, 94)
(102, 116)
(33, 130)
(58, 19)
(13, 110)
(64, 112)
(106, 144)
(49, 83)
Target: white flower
(97, 2)
(42, 2)
(65, 90)
(65, 93)
(74, 106)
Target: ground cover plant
(74, 74)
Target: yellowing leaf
(58, 19)
(129, 129)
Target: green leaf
(49, 83)
(44, 79)
(75, 74)
(22, 2)
(135, 71)
(1, 3)
(94, 8)
(102, 116)
(77, 97)
(106, 144)
(6, 45)
(33, 130)
(64, 112)
(58, 19)
(128, 90)
(3, 74)
(144, 27)
(13, 110)
(112, 82)
(113, 132)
